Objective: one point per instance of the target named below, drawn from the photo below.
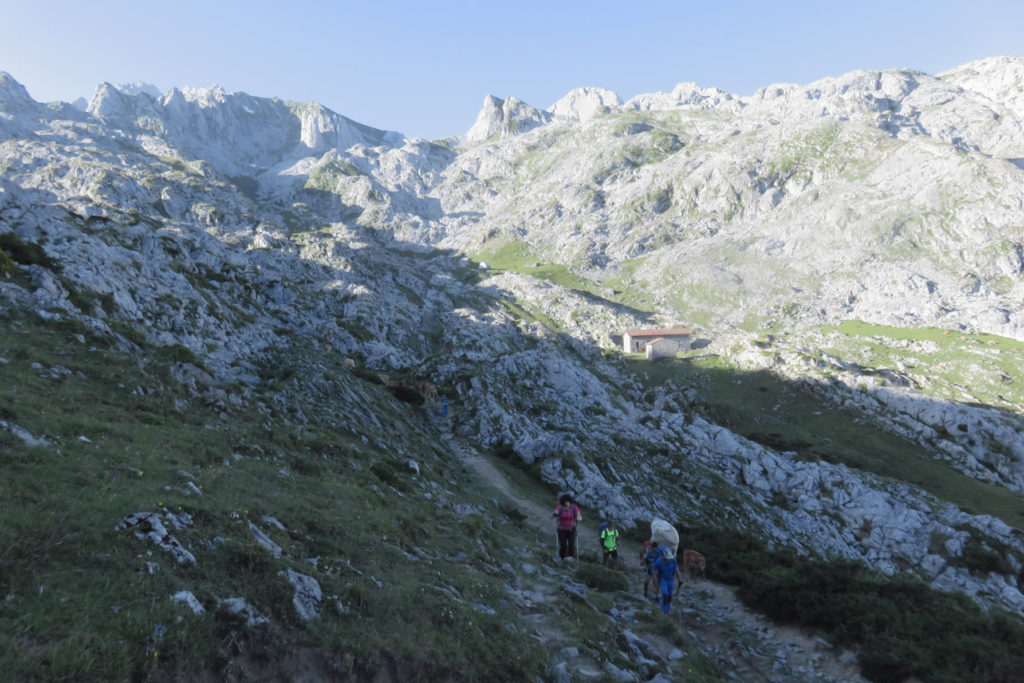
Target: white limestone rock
(265, 541)
(26, 436)
(684, 95)
(582, 104)
(504, 118)
(149, 526)
(239, 607)
(189, 600)
(307, 594)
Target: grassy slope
(85, 601)
(959, 366)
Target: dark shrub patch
(505, 451)
(406, 394)
(601, 578)
(385, 472)
(979, 559)
(7, 266)
(900, 627)
(26, 253)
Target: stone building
(636, 341)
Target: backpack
(567, 516)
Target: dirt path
(746, 645)
(537, 515)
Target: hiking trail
(746, 646)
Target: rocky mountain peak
(1000, 79)
(107, 100)
(210, 97)
(582, 104)
(122, 107)
(505, 118)
(683, 95)
(139, 87)
(13, 95)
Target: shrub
(979, 559)
(25, 253)
(900, 627)
(385, 472)
(7, 266)
(601, 578)
(505, 451)
(406, 394)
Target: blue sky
(423, 68)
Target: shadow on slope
(784, 417)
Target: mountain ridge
(238, 231)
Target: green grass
(523, 311)
(506, 254)
(515, 256)
(949, 364)
(934, 334)
(85, 602)
(512, 255)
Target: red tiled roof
(677, 332)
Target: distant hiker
(648, 555)
(666, 568)
(567, 515)
(610, 543)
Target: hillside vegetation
(409, 564)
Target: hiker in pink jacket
(567, 515)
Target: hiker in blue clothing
(666, 568)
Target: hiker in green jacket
(610, 544)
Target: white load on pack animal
(664, 534)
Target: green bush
(25, 253)
(601, 578)
(979, 559)
(384, 471)
(7, 266)
(900, 627)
